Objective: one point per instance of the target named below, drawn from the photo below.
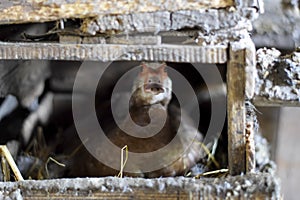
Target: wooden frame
(240, 60)
(234, 47)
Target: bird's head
(152, 85)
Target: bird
(149, 104)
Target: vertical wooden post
(240, 86)
(236, 110)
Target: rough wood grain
(241, 73)
(256, 186)
(201, 19)
(236, 109)
(50, 10)
(113, 52)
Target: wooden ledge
(251, 186)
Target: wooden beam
(200, 19)
(236, 110)
(134, 16)
(254, 186)
(240, 85)
(113, 52)
(50, 10)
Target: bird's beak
(154, 88)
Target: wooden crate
(219, 32)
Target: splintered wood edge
(240, 86)
(251, 186)
(40, 10)
(114, 52)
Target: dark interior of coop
(43, 152)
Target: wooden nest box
(139, 31)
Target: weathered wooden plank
(49, 10)
(117, 39)
(236, 109)
(240, 85)
(203, 19)
(113, 52)
(278, 79)
(255, 186)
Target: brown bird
(151, 125)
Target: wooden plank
(50, 10)
(113, 52)
(278, 79)
(203, 19)
(159, 21)
(240, 84)
(255, 186)
(236, 110)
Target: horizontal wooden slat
(49, 10)
(255, 186)
(113, 52)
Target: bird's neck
(140, 114)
